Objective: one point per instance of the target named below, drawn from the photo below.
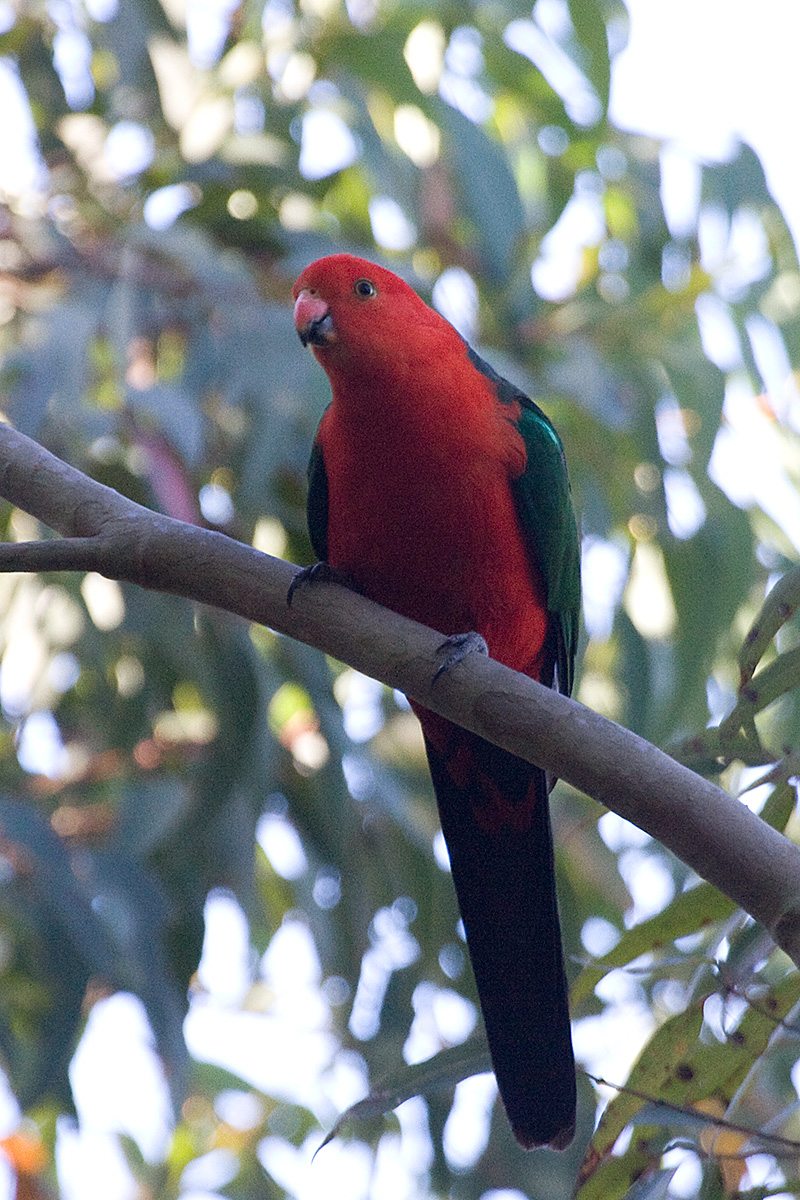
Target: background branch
(717, 836)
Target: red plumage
(419, 452)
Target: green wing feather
(544, 503)
(317, 502)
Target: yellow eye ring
(365, 289)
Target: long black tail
(495, 818)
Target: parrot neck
(407, 372)
(438, 415)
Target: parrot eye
(365, 289)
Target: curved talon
(320, 572)
(459, 646)
(312, 574)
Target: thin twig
(782, 1147)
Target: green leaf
(149, 811)
(443, 1071)
(590, 29)
(779, 605)
(51, 380)
(488, 188)
(694, 910)
(60, 943)
(376, 59)
(678, 1068)
(48, 876)
(722, 550)
(652, 1187)
(134, 912)
(740, 181)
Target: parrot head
(353, 312)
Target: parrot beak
(312, 320)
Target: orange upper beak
(312, 319)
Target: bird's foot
(458, 646)
(320, 572)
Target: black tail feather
(495, 818)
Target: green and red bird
(441, 491)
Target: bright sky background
(707, 71)
(701, 72)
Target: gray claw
(320, 572)
(459, 646)
(312, 574)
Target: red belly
(449, 553)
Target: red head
(360, 317)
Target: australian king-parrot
(440, 490)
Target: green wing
(317, 502)
(544, 503)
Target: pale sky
(704, 72)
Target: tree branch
(105, 532)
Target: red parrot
(441, 491)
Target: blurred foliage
(153, 756)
